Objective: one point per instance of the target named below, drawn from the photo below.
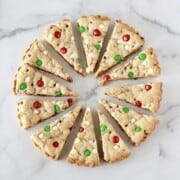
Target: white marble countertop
(158, 20)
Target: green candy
(57, 108)
(23, 86)
(38, 62)
(117, 58)
(125, 109)
(103, 128)
(82, 29)
(138, 129)
(131, 75)
(97, 46)
(87, 152)
(142, 56)
(47, 128)
(58, 93)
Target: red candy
(55, 144)
(115, 139)
(40, 83)
(126, 37)
(96, 32)
(148, 87)
(57, 34)
(70, 101)
(36, 104)
(138, 103)
(106, 78)
(63, 50)
(81, 129)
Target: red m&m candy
(55, 144)
(63, 50)
(138, 103)
(126, 37)
(57, 34)
(115, 139)
(81, 129)
(148, 87)
(96, 32)
(40, 83)
(36, 104)
(106, 78)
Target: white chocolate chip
(86, 123)
(72, 38)
(73, 151)
(101, 26)
(50, 36)
(86, 41)
(53, 102)
(28, 79)
(77, 141)
(90, 54)
(150, 71)
(126, 47)
(35, 111)
(72, 55)
(118, 41)
(116, 147)
(133, 120)
(41, 136)
(144, 62)
(55, 128)
(45, 53)
(90, 141)
(94, 151)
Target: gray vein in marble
(162, 153)
(155, 22)
(170, 122)
(169, 108)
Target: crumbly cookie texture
(147, 96)
(51, 139)
(30, 81)
(93, 30)
(124, 41)
(60, 36)
(136, 126)
(84, 151)
(114, 148)
(32, 112)
(37, 56)
(145, 64)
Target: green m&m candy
(57, 108)
(87, 152)
(117, 58)
(97, 46)
(58, 93)
(47, 128)
(125, 109)
(138, 129)
(38, 62)
(131, 75)
(82, 29)
(142, 56)
(103, 128)
(23, 86)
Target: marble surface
(158, 157)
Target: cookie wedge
(114, 148)
(51, 139)
(61, 37)
(32, 112)
(147, 96)
(84, 151)
(37, 56)
(30, 81)
(124, 41)
(135, 125)
(144, 65)
(93, 30)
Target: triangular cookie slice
(84, 151)
(31, 112)
(30, 81)
(136, 126)
(145, 64)
(93, 30)
(124, 41)
(114, 148)
(52, 138)
(147, 96)
(37, 56)
(60, 36)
